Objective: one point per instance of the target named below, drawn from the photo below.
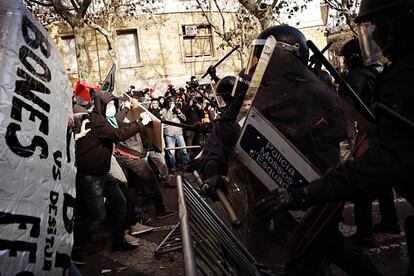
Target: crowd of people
(115, 161)
(119, 171)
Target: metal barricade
(209, 247)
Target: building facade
(166, 47)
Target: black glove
(211, 185)
(212, 72)
(280, 199)
(195, 165)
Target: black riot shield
(290, 137)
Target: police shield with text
(384, 27)
(291, 136)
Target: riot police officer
(225, 130)
(362, 79)
(217, 157)
(224, 88)
(384, 26)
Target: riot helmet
(385, 26)
(223, 90)
(352, 54)
(289, 38)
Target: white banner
(37, 171)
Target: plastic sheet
(37, 171)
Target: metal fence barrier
(208, 245)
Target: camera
(130, 91)
(193, 83)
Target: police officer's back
(385, 25)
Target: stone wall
(317, 35)
(161, 51)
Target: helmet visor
(371, 52)
(254, 56)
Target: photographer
(155, 108)
(209, 114)
(193, 83)
(174, 135)
(171, 92)
(193, 113)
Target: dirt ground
(141, 261)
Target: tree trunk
(81, 55)
(264, 17)
(113, 49)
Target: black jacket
(222, 140)
(93, 152)
(389, 162)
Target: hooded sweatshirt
(93, 152)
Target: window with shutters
(128, 48)
(198, 41)
(69, 54)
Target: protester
(131, 154)
(93, 159)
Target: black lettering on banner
(17, 148)
(25, 54)
(47, 265)
(63, 261)
(39, 40)
(25, 87)
(14, 246)
(50, 242)
(53, 209)
(69, 138)
(22, 220)
(25, 273)
(57, 156)
(16, 113)
(52, 223)
(51, 230)
(68, 202)
(54, 197)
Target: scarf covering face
(110, 114)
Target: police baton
(213, 103)
(385, 110)
(235, 222)
(341, 81)
(313, 59)
(211, 68)
(184, 126)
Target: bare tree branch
(64, 12)
(75, 6)
(85, 6)
(97, 27)
(221, 14)
(41, 3)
